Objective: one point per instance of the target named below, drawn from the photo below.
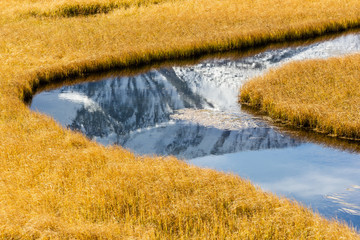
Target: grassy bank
(55, 183)
(319, 95)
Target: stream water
(192, 112)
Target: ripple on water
(348, 201)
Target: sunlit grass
(55, 183)
(321, 95)
(71, 8)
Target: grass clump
(322, 95)
(56, 184)
(68, 8)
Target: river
(192, 112)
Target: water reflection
(325, 179)
(192, 112)
(131, 110)
(188, 141)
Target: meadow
(56, 184)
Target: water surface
(192, 112)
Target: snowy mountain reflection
(136, 113)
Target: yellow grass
(320, 95)
(66, 8)
(55, 183)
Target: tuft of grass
(321, 95)
(67, 8)
(56, 184)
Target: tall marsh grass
(322, 95)
(56, 184)
(73, 8)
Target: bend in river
(192, 112)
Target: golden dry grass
(320, 95)
(66, 8)
(55, 183)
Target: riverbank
(55, 183)
(318, 95)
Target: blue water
(323, 178)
